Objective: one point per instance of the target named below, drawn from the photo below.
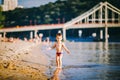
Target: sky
(33, 3)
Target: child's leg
(57, 60)
(60, 60)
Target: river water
(87, 61)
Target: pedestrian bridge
(102, 15)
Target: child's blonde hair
(58, 34)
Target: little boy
(59, 45)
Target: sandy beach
(21, 60)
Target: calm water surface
(87, 61)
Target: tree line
(60, 11)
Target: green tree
(2, 18)
(52, 13)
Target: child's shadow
(56, 74)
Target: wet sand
(22, 60)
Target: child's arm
(52, 46)
(66, 49)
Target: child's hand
(49, 48)
(68, 52)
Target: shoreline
(22, 60)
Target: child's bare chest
(58, 45)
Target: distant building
(9, 5)
(19, 6)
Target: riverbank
(21, 60)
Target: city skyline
(32, 3)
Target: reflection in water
(106, 46)
(56, 74)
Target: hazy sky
(33, 3)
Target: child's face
(59, 38)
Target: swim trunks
(58, 53)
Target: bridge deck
(32, 28)
(57, 26)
